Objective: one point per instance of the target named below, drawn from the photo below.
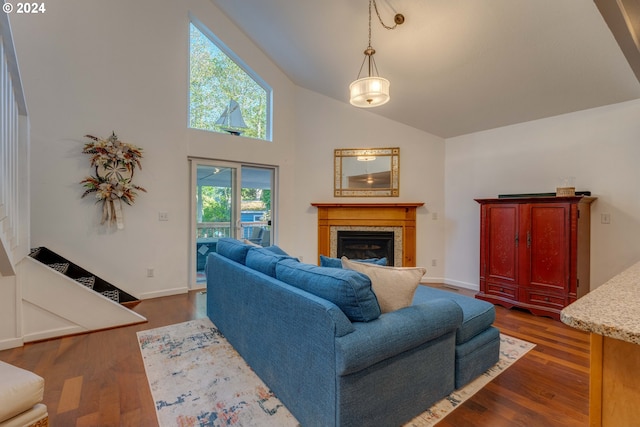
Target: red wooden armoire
(534, 252)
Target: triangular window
(224, 94)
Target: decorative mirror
(366, 172)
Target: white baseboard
(457, 283)
(465, 285)
(11, 343)
(54, 333)
(432, 279)
(164, 293)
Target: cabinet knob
(546, 299)
(501, 289)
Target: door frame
(236, 207)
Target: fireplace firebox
(366, 244)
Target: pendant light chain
(370, 21)
(396, 19)
(370, 50)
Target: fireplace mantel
(369, 215)
(367, 205)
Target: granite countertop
(611, 310)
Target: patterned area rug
(198, 379)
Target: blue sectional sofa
(477, 341)
(316, 337)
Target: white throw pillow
(394, 286)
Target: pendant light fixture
(373, 90)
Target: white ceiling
(455, 66)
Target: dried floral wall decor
(114, 162)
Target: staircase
(89, 280)
(54, 304)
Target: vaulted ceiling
(455, 66)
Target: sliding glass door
(228, 200)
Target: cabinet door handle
(517, 239)
(528, 239)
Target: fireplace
(366, 244)
(397, 218)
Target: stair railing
(14, 157)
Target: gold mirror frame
(366, 172)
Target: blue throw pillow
(349, 290)
(326, 261)
(232, 249)
(264, 260)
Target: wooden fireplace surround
(369, 215)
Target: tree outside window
(216, 80)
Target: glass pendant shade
(369, 92)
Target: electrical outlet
(605, 218)
(150, 272)
(434, 216)
(163, 216)
(434, 262)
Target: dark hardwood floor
(548, 387)
(98, 379)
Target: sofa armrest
(395, 332)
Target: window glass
(225, 95)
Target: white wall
(599, 147)
(322, 125)
(10, 309)
(93, 67)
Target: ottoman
(20, 396)
(477, 341)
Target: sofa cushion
(20, 390)
(233, 249)
(394, 286)
(478, 315)
(326, 261)
(349, 290)
(263, 260)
